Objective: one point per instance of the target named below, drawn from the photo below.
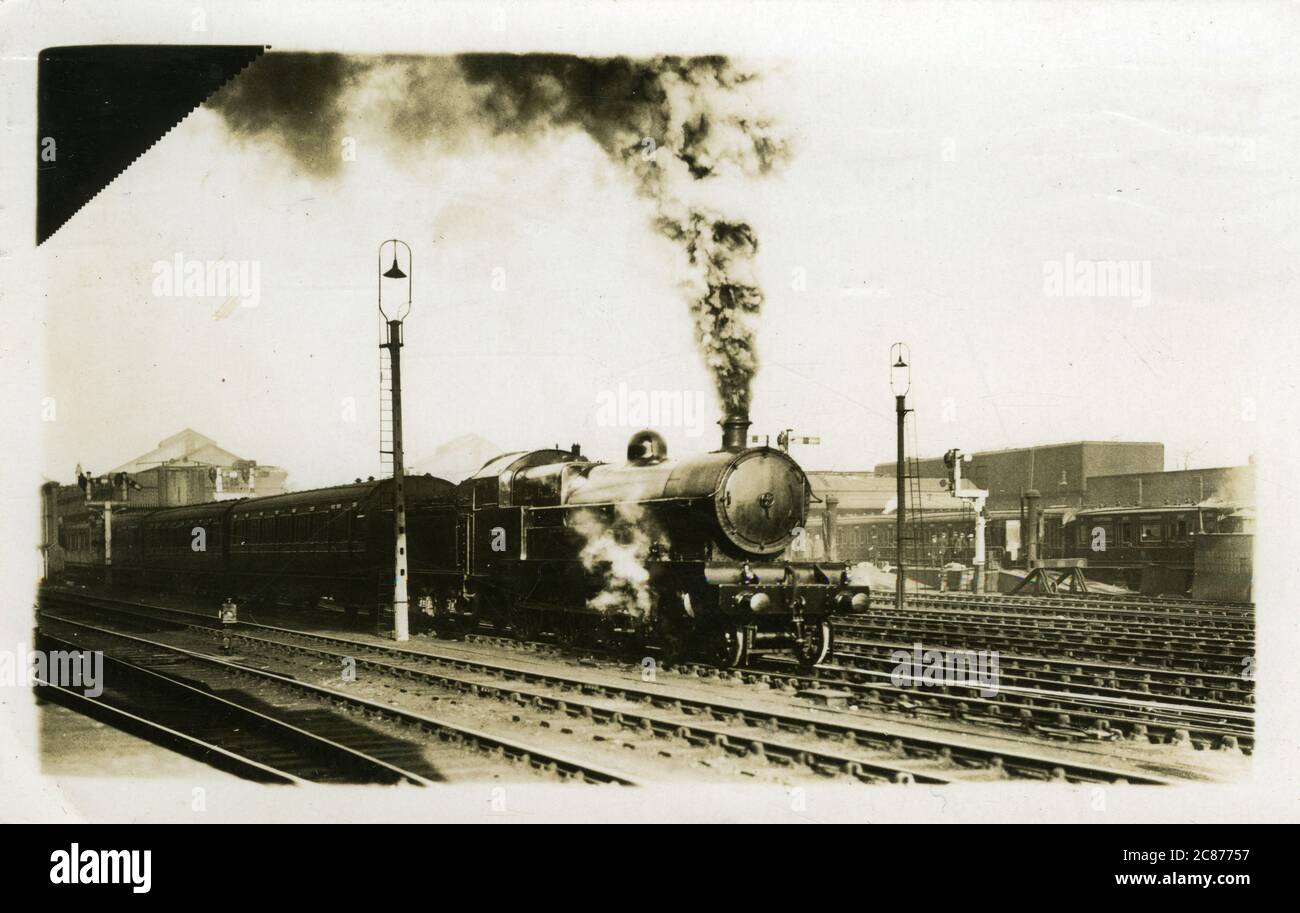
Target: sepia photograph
(659, 411)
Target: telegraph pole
(393, 344)
(900, 381)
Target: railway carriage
(338, 542)
(184, 548)
(128, 545)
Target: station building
(186, 468)
(1106, 506)
(844, 506)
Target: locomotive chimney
(735, 431)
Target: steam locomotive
(685, 556)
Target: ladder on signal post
(385, 411)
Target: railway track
(213, 755)
(1185, 654)
(1231, 692)
(1075, 619)
(1067, 715)
(1056, 700)
(1137, 635)
(364, 735)
(207, 727)
(1066, 630)
(826, 742)
(1085, 604)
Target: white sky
(938, 166)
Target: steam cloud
(671, 122)
(616, 551)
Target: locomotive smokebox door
(761, 498)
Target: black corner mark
(100, 107)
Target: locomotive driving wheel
(526, 622)
(727, 646)
(672, 638)
(816, 643)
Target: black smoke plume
(296, 100)
(672, 122)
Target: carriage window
(1180, 528)
(1126, 533)
(1152, 531)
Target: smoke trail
(615, 551)
(725, 299)
(296, 100)
(671, 122)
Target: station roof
(188, 446)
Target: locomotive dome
(647, 447)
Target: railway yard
(1083, 689)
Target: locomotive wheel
(671, 632)
(567, 631)
(816, 644)
(526, 622)
(673, 643)
(581, 633)
(728, 646)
